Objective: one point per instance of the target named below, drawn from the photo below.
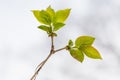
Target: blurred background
(23, 46)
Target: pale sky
(23, 46)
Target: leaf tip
(34, 10)
(100, 58)
(69, 9)
(49, 6)
(81, 61)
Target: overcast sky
(23, 46)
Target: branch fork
(52, 51)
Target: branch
(39, 67)
(52, 51)
(61, 49)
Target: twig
(39, 67)
(52, 51)
(60, 49)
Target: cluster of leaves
(83, 45)
(51, 20)
(54, 20)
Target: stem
(52, 51)
(60, 49)
(52, 43)
(39, 67)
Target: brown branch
(60, 49)
(52, 51)
(39, 67)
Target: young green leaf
(44, 28)
(36, 14)
(51, 12)
(57, 26)
(42, 16)
(61, 15)
(77, 54)
(91, 52)
(84, 40)
(70, 43)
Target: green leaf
(36, 14)
(42, 16)
(57, 26)
(84, 41)
(77, 54)
(44, 28)
(70, 43)
(51, 12)
(91, 52)
(61, 15)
